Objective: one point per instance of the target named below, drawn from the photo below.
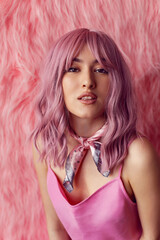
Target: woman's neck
(86, 127)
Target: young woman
(99, 178)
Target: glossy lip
(87, 101)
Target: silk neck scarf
(78, 153)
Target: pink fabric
(106, 214)
(78, 153)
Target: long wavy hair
(120, 107)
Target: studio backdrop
(28, 29)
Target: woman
(108, 186)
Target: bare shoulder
(142, 157)
(40, 166)
(142, 167)
(54, 225)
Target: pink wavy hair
(120, 107)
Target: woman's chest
(86, 181)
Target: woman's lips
(87, 98)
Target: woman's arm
(143, 168)
(55, 228)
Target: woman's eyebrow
(81, 61)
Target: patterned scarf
(78, 153)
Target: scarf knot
(85, 143)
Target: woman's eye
(72, 69)
(101, 70)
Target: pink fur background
(27, 30)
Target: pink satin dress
(108, 214)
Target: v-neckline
(61, 190)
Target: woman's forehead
(87, 53)
(88, 48)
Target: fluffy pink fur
(27, 30)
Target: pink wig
(120, 107)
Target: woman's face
(85, 86)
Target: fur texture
(28, 29)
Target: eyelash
(99, 70)
(72, 69)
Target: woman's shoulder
(142, 158)
(39, 164)
(142, 152)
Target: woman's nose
(89, 81)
